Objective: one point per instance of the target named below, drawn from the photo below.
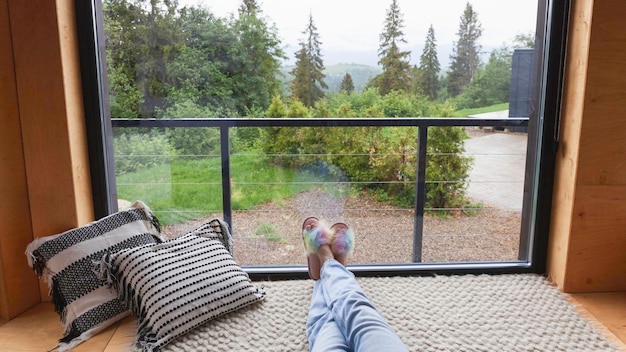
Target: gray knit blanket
(521, 312)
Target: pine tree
(396, 73)
(308, 74)
(300, 85)
(260, 57)
(347, 85)
(465, 59)
(429, 66)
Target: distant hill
(361, 75)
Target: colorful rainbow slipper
(314, 235)
(343, 239)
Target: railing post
(420, 194)
(226, 191)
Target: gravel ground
(270, 233)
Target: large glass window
(421, 124)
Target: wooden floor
(39, 328)
(608, 310)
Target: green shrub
(381, 159)
(298, 109)
(194, 141)
(137, 151)
(244, 138)
(398, 104)
(447, 171)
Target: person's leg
(339, 307)
(321, 329)
(358, 319)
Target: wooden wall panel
(602, 156)
(75, 116)
(19, 289)
(569, 145)
(588, 236)
(53, 131)
(598, 238)
(597, 258)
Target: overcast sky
(353, 26)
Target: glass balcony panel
(366, 177)
(350, 180)
(175, 171)
(486, 224)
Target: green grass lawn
(475, 111)
(185, 189)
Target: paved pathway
(497, 177)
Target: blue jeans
(342, 318)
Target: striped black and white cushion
(180, 284)
(66, 261)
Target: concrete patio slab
(497, 175)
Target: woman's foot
(315, 236)
(323, 254)
(342, 243)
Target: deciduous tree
(524, 41)
(202, 70)
(123, 52)
(248, 7)
(492, 84)
(160, 42)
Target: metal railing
(422, 123)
